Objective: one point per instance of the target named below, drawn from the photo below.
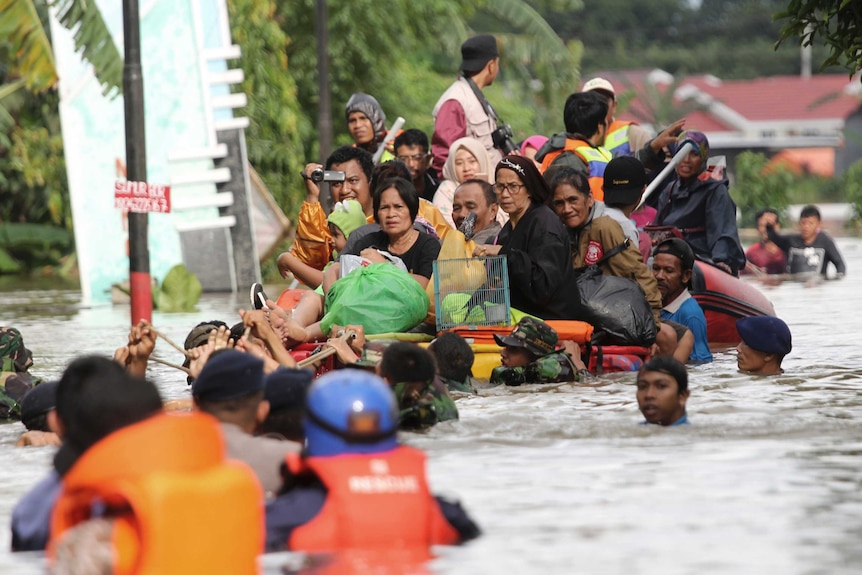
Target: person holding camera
(462, 110)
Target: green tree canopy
(838, 24)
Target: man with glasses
(411, 147)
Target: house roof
(781, 111)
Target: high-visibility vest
(596, 159)
(617, 139)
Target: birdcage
(471, 292)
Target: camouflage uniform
(551, 368)
(424, 404)
(540, 339)
(14, 379)
(465, 386)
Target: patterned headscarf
(369, 106)
(698, 140)
(536, 185)
(14, 355)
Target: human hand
(142, 342)
(286, 262)
(373, 256)
(312, 190)
(667, 136)
(121, 355)
(258, 349)
(357, 341)
(486, 250)
(218, 339)
(342, 350)
(724, 267)
(574, 351)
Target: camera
(320, 175)
(504, 139)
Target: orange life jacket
(178, 505)
(596, 160)
(373, 501)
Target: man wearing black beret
(230, 387)
(765, 342)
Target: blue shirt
(686, 311)
(681, 421)
(31, 518)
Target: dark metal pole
(136, 163)
(324, 112)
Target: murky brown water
(563, 479)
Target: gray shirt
(263, 454)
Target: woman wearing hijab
(701, 208)
(467, 160)
(366, 123)
(534, 241)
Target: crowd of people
(315, 464)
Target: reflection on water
(563, 479)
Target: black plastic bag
(616, 307)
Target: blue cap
(228, 374)
(286, 388)
(765, 333)
(350, 411)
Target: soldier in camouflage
(15, 381)
(454, 359)
(422, 397)
(530, 355)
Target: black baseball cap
(478, 51)
(624, 181)
(679, 248)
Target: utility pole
(136, 163)
(324, 116)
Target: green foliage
(852, 184)
(278, 129)
(93, 40)
(757, 187)
(24, 246)
(29, 46)
(180, 291)
(838, 24)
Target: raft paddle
(323, 354)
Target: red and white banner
(142, 197)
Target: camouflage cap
(13, 354)
(532, 334)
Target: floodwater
(562, 479)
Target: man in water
(529, 354)
(765, 255)
(672, 265)
(662, 391)
(765, 342)
(811, 250)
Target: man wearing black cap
(765, 342)
(230, 387)
(462, 110)
(672, 265)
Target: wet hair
(37, 422)
(410, 138)
(405, 362)
(575, 178)
(286, 424)
(765, 211)
(405, 190)
(453, 355)
(670, 366)
(584, 112)
(487, 189)
(95, 397)
(809, 211)
(388, 170)
(345, 154)
(239, 409)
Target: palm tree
(32, 62)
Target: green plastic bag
(380, 297)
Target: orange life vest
(596, 160)
(373, 501)
(178, 505)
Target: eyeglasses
(513, 189)
(414, 158)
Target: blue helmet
(350, 411)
